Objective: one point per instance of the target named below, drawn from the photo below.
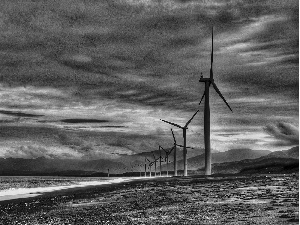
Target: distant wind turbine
(168, 152)
(145, 167)
(184, 128)
(175, 152)
(160, 158)
(208, 82)
(150, 165)
(156, 159)
(141, 169)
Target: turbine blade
(212, 45)
(173, 136)
(218, 91)
(212, 53)
(191, 119)
(174, 124)
(202, 98)
(185, 146)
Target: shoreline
(24, 193)
(164, 200)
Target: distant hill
(278, 161)
(76, 167)
(140, 157)
(291, 153)
(232, 161)
(197, 162)
(19, 166)
(260, 165)
(191, 153)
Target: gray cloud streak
(287, 134)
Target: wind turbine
(145, 167)
(150, 165)
(160, 158)
(168, 152)
(208, 82)
(156, 159)
(175, 152)
(141, 169)
(184, 128)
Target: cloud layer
(123, 65)
(285, 133)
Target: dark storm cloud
(181, 42)
(111, 126)
(18, 114)
(273, 80)
(84, 121)
(168, 22)
(143, 41)
(70, 139)
(95, 39)
(78, 141)
(285, 133)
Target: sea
(14, 187)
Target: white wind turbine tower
(175, 152)
(155, 160)
(168, 152)
(208, 82)
(160, 158)
(184, 128)
(150, 165)
(145, 167)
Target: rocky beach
(237, 199)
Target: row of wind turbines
(207, 81)
(166, 159)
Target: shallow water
(13, 187)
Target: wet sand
(16, 193)
(271, 199)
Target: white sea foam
(15, 193)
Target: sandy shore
(17, 193)
(271, 199)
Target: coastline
(23, 193)
(164, 200)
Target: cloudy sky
(92, 79)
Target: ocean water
(13, 187)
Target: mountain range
(232, 161)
